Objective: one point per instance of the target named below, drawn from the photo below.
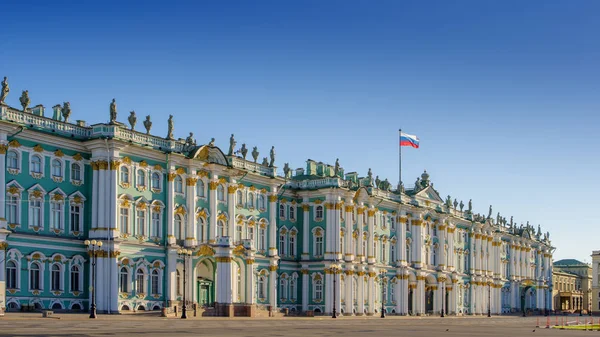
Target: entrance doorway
(205, 292)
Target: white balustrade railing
(45, 123)
(241, 163)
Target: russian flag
(409, 140)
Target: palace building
(308, 240)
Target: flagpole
(399, 157)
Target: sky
(504, 95)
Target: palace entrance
(205, 285)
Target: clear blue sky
(504, 95)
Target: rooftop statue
(5, 90)
(255, 154)
(455, 203)
(190, 143)
(170, 128)
(386, 185)
(244, 151)
(470, 209)
(25, 100)
(448, 201)
(132, 120)
(490, 213)
(400, 187)
(272, 163)
(369, 177)
(462, 205)
(286, 170)
(148, 124)
(265, 161)
(498, 218)
(212, 142)
(511, 220)
(232, 144)
(377, 182)
(417, 185)
(336, 168)
(113, 111)
(66, 111)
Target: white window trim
(42, 272)
(81, 212)
(147, 181)
(19, 196)
(42, 167)
(219, 201)
(129, 218)
(129, 279)
(160, 181)
(17, 263)
(61, 178)
(145, 224)
(203, 189)
(61, 281)
(125, 184)
(153, 210)
(314, 288)
(54, 227)
(182, 193)
(315, 218)
(79, 262)
(314, 241)
(19, 168)
(42, 202)
(282, 207)
(293, 212)
(160, 287)
(81, 172)
(144, 280)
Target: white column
(3, 175)
(231, 202)
(250, 284)
(305, 231)
(273, 222)
(102, 184)
(442, 246)
(171, 276)
(223, 249)
(417, 238)
(451, 252)
(305, 288)
(212, 204)
(360, 308)
(329, 232)
(349, 300)
(371, 228)
(191, 235)
(95, 195)
(273, 284)
(401, 247)
(420, 295)
(360, 226)
(348, 254)
(371, 293)
(398, 290)
(472, 253)
(170, 209)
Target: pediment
(210, 154)
(428, 193)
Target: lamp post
(93, 249)
(489, 299)
(443, 297)
(382, 293)
(334, 273)
(184, 254)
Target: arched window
(179, 230)
(201, 229)
(292, 245)
(281, 244)
(262, 240)
(220, 193)
(393, 253)
(36, 164)
(56, 278)
(56, 215)
(178, 184)
(393, 223)
(293, 289)
(200, 189)
(139, 281)
(283, 289)
(384, 251)
(12, 160)
(156, 181)
(408, 255)
(75, 218)
(318, 245)
(251, 200)
(293, 213)
(434, 257)
(35, 207)
(154, 282)
(12, 209)
(282, 211)
(124, 280)
(239, 197)
(318, 290)
(141, 178)
(57, 168)
(11, 275)
(75, 285)
(124, 219)
(75, 172)
(124, 175)
(221, 228)
(319, 212)
(35, 276)
(261, 285)
(261, 202)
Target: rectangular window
(12, 213)
(262, 243)
(238, 233)
(319, 246)
(56, 215)
(75, 218)
(156, 224)
(124, 220)
(281, 244)
(292, 244)
(141, 222)
(36, 213)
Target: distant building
(572, 280)
(595, 280)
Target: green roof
(569, 262)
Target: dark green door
(205, 292)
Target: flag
(409, 140)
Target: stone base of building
(224, 310)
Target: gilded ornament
(180, 210)
(371, 212)
(14, 143)
(58, 197)
(171, 176)
(36, 194)
(126, 160)
(38, 148)
(157, 167)
(191, 181)
(231, 189)
(142, 205)
(223, 259)
(59, 153)
(239, 250)
(272, 198)
(272, 268)
(305, 207)
(13, 190)
(3, 148)
(180, 170)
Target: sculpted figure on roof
(113, 111)
(5, 90)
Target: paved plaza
(152, 325)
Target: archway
(205, 282)
(527, 298)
